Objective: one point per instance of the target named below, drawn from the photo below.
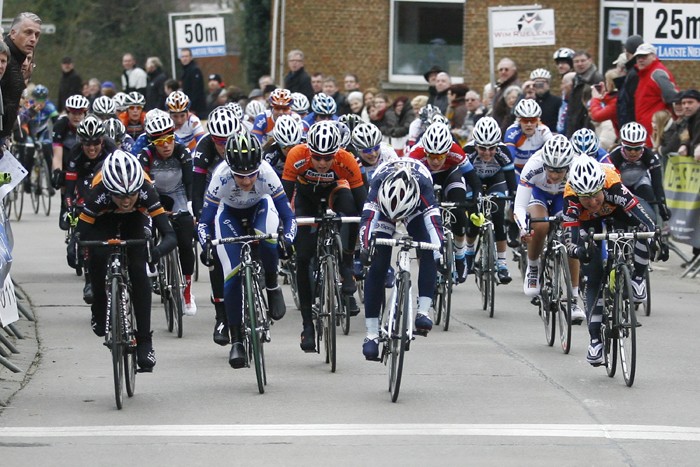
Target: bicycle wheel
(195, 246)
(251, 324)
(399, 335)
(8, 202)
(647, 303)
(547, 297)
(608, 333)
(18, 201)
(563, 297)
(35, 183)
(115, 339)
(490, 268)
(292, 267)
(130, 351)
(263, 322)
(45, 187)
(341, 309)
(329, 309)
(479, 271)
(177, 289)
(165, 292)
(626, 325)
(449, 281)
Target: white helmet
(323, 104)
(160, 125)
(527, 108)
(540, 73)
(104, 106)
(236, 108)
(366, 135)
(324, 137)
(437, 139)
(486, 132)
(122, 173)
(222, 123)
(633, 133)
(300, 103)
(153, 113)
(399, 194)
(557, 152)
(255, 108)
(120, 101)
(287, 131)
(586, 141)
(586, 176)
(77, 102)
(563, 53)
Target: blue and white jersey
(501, 161)
(521, 146)
(386, 154)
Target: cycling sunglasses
(487, 148)
(135, 107)
(370, 150)
(529, 120)
(633, 148)
(556, 170)
(163, 140)
(436, 157)
(252, 174)
(94, 142)
(589, 195)
(320, 157)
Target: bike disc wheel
(547, 299)
(627, 325)
(252, 324)
(130, 353)
(117, 346)
(449, 281)
(564, 296)
(399, 337)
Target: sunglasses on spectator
(436, 157)
(487, 148)
(220, 140)
(633, 148)
(94, 142)
(252, 174)
(529, 120)
(320, 157)
(163, 140)
(370, 150)
(556, 170)
(135, 107)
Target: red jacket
(604, 109)
(656, 86)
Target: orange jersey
(615, 195)
(299, 168)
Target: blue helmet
(585, 141)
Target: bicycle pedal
(536, 301)
(639, 325)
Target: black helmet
(243, 153)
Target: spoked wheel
(342, 314)
(329, 306)
(449, 281)
(130, 353)
(563, 296)
(165, 292)
(292, 267)
(608, 328)
(646, 304)
(263, 326)
(36, 183)
(479, 273)
(253, 335)
(117, 346)
(398, 341)
(626, 326)
(548, 300)
(45, 188)
(489, 248)
(177, 290)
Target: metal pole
(8, 364)
(492, 74)
(273, 51)
(282, 45)
(8, 344)
(172, 45)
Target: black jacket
(299, 81)
(69, 85)
(627, 86)
(155, 90)
(12, 85)
(193, 85)
(550, 105)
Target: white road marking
(636, 432)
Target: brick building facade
(339, 36)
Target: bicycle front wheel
(626, 324)
(130, 351)
(177, 290)
(563, 297)
(165, 292)
(116, 330)
(46, 188)
(490, 268)
(399, 334)
(548, 300)
(18, 201)
(251, 324)
(329, 309)
(36, 182)
(449, 281)
(608, 328)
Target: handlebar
(406, 242)
(623, 235)
(244, 239)
(113, 242)
(338, 220)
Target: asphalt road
(488, 392)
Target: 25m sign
(674, 29)
(204, 36)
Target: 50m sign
(205, 37)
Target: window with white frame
(423, 34)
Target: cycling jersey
(299, 168)
(500, 163)
(133, 128)
(190, 132)
(172, 177)
(264, 124)
(64, 135)
(644, 171)
(310, 118)
(535, 188)
(81, 170)
(602, 156)
(275, 157)
(521, 146)
(386, 154)
(455, 159)
(205, 159)
(39, 121)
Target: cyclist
(564, 59)
(315, 170)
(400, 190)
(300, 104)
(494, 167)
(640, 168)
(222, 124)
(540, 194)
(246, 188)
(367, 139)
(280, 101)
(170, 166)
(134, 117)
(252, 110)
(286, 134)
(84, 160)
(116, 130)
(323, 107)
(104, 108)
(450, 167)
(188, 127)
(349, 121)
(585, 141)
(119, 202)
(39, 115)
(594, 192)
(420, 124)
